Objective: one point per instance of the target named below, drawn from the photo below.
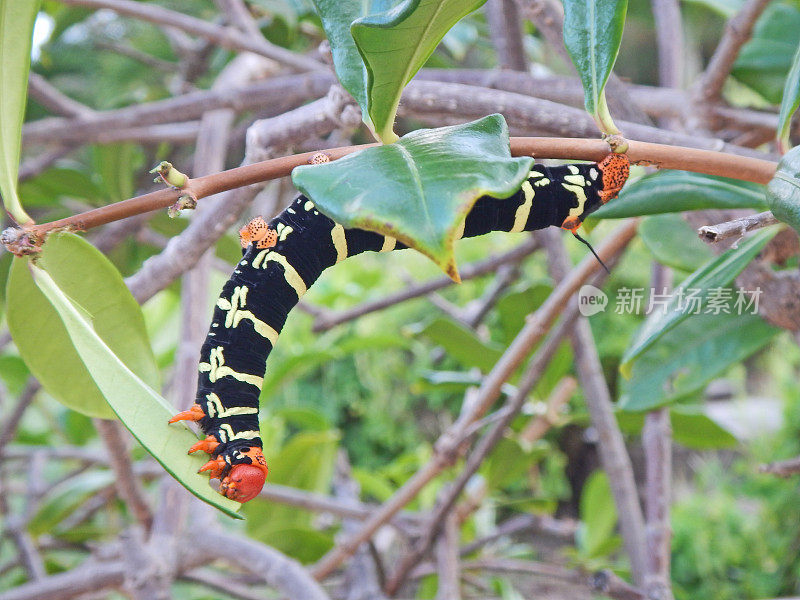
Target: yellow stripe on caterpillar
(217, 370)
(580, 195)
(339, 242)
(226, 434)
(524, 209)
(389, 244)
(292, 276)
(216, 410)
(236, 314)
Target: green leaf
(684, 360)
(692, 428)
(765, 60)
(462, 344)
(395, 44)
(16, 30)
(142, 410)
(92, 282)
(790, 101)
(598, 515)
(592, 35)
(408, 189)
(336, 17)
(677, 191)
(783, 192)
(717, 273)
(673, 242)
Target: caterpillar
(283, 258)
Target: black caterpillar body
(287, 255)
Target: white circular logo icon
(591, 300)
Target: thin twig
(736, 228)
(737, 32)
(227, 37)
(447, 559)
(505, 29)
(611, 446)
(53, 100)
(783, 468)
(128, 486)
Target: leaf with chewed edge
(420, 189)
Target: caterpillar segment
(283, 258)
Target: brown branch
(223, 584)
(327, 320)
(447, 448)
(11, 422)
(657, 445)
(505, 29)
(783, 468)
(40, 90)
(736, 228)
(278, 93)
(562, 529)
(447, 559)
(669, 39)
(137, 55)
(737, 31)
(362, 575)
(433, 102)
(273, 568)
(127, 485)
(227, 37)
(666, 157)
(613, 454)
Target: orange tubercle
(209, 444)
(195, 413)
(215, 467)
(258, 232)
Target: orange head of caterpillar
(615, 169)
(244, 482)
(258, 232)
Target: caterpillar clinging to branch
(283, 258)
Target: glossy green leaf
(717, 273)
(673, 242)
(16, 30)
(395, 44)
(684, 360)
(140, 409)
(766, 58)
(790, 101)
(408, 189)
(92, 282)
(592, 35)
(678, 191)
(783, 192)
(462, 344)
(694, 429)
(598, 514)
